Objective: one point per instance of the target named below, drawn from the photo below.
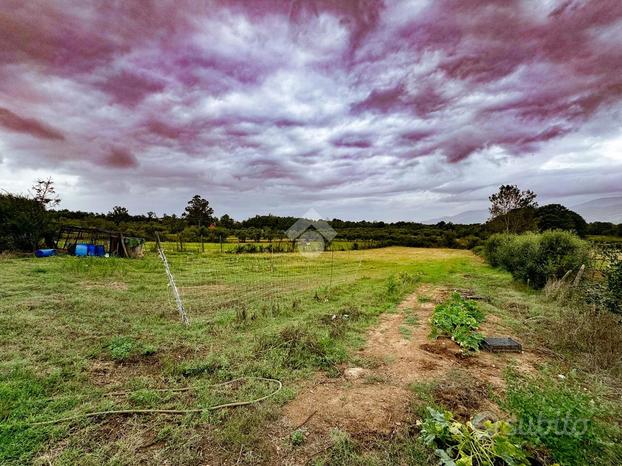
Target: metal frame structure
(114, 241)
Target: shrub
(494, 247)
(535, 258)
(561, 251)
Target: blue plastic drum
(81, 250)
(45, 252)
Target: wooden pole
(123, 245)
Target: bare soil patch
(376, 403)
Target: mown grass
(73, 329)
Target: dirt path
(374, 401)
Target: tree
(151, 215)
(558, 217)
(44, 193)
(226, 221)
(508, 199)
(24, 222)
(198, 212)
(119, 214)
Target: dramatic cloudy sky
(360, 109)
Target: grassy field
(74, 329)
(604, 239)
(232, 243)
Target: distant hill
(606, 209)
(463, 218)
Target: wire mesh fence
(213, 281)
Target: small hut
(114, 243)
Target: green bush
(535, 258)
(495, 246)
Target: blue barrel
(90, 250)
(81, 250)
(100, 250)
(45, 252)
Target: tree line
(27, 222)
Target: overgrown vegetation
(558, 413)
(459, 320)
(536, 258)
(605, 289)
(73, 329)
(24, 223)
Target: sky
(394, 110)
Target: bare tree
(44, 193)
(510, 198)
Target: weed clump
(125, 348)
(339, 322)
(299, 348)
(297, 437)
(402, 281)
(563, 418)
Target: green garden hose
(171, 411)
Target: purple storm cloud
(390, 110)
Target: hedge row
(534, 258)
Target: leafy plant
(458, 319)
(464, 444)
(121, 348)
(297, 437)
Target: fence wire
(211, 281)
